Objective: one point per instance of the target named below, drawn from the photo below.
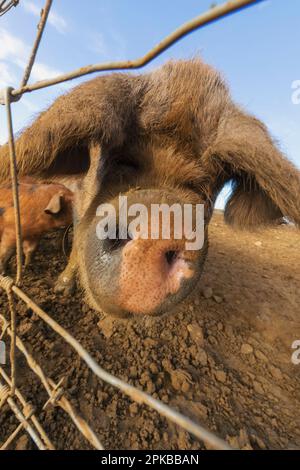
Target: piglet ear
(54, 205)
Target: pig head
(172, 135)
(43, 207)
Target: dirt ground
(223, 358)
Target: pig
(43, 207)
(172, 134)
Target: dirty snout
(137, 273)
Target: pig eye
(192, 186)
(116, 243)
(127, 164)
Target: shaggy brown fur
(175, 128)
(186, 105)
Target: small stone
(133, 372)
(207, 292)
(229, 330)
(106, 325)
(196, 333)
(167, 365)
(246, 348)
(233, 442)
(150, 387)
(185, 387)
(276, 373)
(258, 441)
(153, 368)
(221, 376)
(274, 422)
(261, 356)
(22, 443)
(212, 340)
(218, 299)
(166, 335)
(258, 388)
(197, 302)
(243, 439)
(133, 408)
(181, 380)
(25, 327)
(165, 398)
(202, 357)
(258, 243)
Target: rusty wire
(12, 355)
(14, 181)
(25, 406)
(6, 5)
(14, 434)
(50, 386)
(24, 420)
(211, 15)
(136, 395)
(56, 391)
(41, 27)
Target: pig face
(171, 134)
(133, 272)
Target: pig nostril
(171, 256)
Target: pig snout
(137, 275)
(150, 272)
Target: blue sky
(257, 50)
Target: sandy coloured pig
(43, 207)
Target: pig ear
(266, 185)
(54, 205)
(57, 143)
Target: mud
(223, 358)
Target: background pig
(171, 134)
(43, 207)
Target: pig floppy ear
(57, 143)
(266, 185)
(54, 206)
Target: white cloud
(15, 51)
(42, 71)
(7, 77)
(11, 46)
(54, 19)
(13, 59)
